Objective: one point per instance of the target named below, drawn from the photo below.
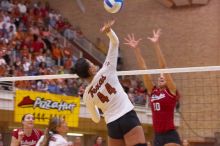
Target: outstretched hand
(156, 36)
(131, 41)
(107, 26)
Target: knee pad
(141, 144)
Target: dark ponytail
(47, 136)
(51, 130)
(73, 70)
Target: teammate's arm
(15, 141)
(112, 55)
(162, 62)
(133, 43)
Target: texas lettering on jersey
(93, 90)
(109, 88)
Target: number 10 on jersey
(156, 106)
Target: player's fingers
(129, 37)
(157, 32)
(154, 32)
(126, 39)
(139, 39)
(132, 35)
(127, 43)
(149, 38)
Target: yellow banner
(45, 105)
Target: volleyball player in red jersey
(27, 135)
(163, 97)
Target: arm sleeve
(112, 55)
(15, 133)
(58, 141)
(93, 110)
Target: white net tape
(120, 73)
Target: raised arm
(133, 43)
(162, 62)
(112, 55)
(14, 142)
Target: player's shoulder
(38, 131)
(171, 93)
(86, 93)
(15, 132)
(16, 129)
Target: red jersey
(97, 145)
(28, 140)
(163, 103)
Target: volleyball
(113, 6)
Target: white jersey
(58, 140)
(105, 90)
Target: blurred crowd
(29, 48)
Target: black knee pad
(141, 144)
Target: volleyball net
(120, 73)
(199, 88)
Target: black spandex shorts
(168, 137)
(118, 128)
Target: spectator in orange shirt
(57, 54)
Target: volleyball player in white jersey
(105, 92)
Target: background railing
(7, 85)
(82, 42)
(90, 48)
(65, 43)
